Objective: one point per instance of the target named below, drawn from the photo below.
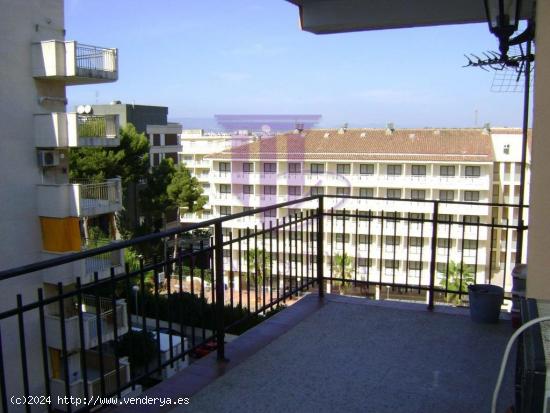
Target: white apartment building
(196, 146)
(44, 214)
(418, 164)
(165, 142)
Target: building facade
(403, 170)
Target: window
(248, 167)
(506, 149)
(365, 215)
(366, 192)
(444, 218)
(418, 194)
(270, 190)
(294, 235)
(447, 170)
(225, 189)
(415, 217)
(415, 244)
(446, 195)
(391, 242)
(393, 193)
(340, 237)
(366, 169)
(415, 265)
(248, 189)
(391, 264)
(270, 213)
(317, 168)
(294, 212)
(342, 191)
(173, 156)
(294, 190)
(364, 262)
(364, 241)
(418, 170)
(270, 167)
(226, 232)
(170, 139)
(471, 196)
(471, 219)
(391, 216)
(472, 171)
(246, 209)
(394, 169)
(317, 190)
(469, 247)
(225, 210)
(156, 159)
(441, 267)
(224, 167)
(226, 253)
(443, 243)
(156, 139)
(294, 168)
(343, 169)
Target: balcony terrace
(62, 130)
(74, 63)
(79, 199)
(379, 351)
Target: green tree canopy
(185, 190)
(342, 267)
(130, 160)
(457, 277)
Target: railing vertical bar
(240, 268)
(44, 348)
(23, 350)
(143, 306)
(99, 328)
(431, 291)
(307, 234)
(248, 263)
(421, 252)
(449, 244)
(302, 249)
(179, 305)
(331, 247)
(231, 275)
(264, 274)
(356, 244)
(343, 248)
(129, 315)
(381, 248)
(256, 268)
(278, 259)
(64, 344)
(192, 288)
(408, 246)
(320, 246)
(506, 230)
(271, 255)
(476, 259)
(462, 258)
(369, 240)
(284, 260)
(203, 298)
(115, 330)
(394, 248)
(491, 246)
(220, 301)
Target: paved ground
(352, 355)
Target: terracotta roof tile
(465, 145)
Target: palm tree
(256, 259)
(456, 279)
(342, 269)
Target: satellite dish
(88, 109)
(80, 109)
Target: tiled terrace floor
(346, 354)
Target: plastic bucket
(485, 302)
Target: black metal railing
(197, 286)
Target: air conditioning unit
(48, 158)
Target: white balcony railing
(62, 130)
(79, 199)
(74, 63)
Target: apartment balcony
(94, 381)
(63, 130)
(79, 199)
(85, 269)
(74, 63)
(383, 345)
(98, 324)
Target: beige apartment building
(414, 165)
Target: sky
(202, 58)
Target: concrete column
(538, 285)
